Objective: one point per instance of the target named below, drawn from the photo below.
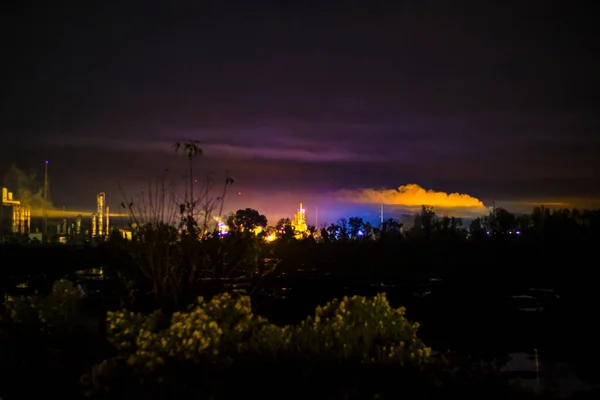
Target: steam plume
(413, 196)
(25, 188)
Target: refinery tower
(14, 216)
(299, 222)
(100, 219)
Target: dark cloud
(493, 99)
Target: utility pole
(316, 217)
(46, 199)
(381, 206)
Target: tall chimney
(107, 221)
(100, 214)
(94, 225)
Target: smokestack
(10, 196)
(4, 194)
(107, 221)
(94, 225)
(101, 212)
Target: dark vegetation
(182, 310)
(456, 287)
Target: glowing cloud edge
(412, 197)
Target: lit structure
(223, 229)
(299, 222)
(78, 225)
(15, 217)
(100, 220)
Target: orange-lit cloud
(413, 196)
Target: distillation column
(27, 219)
(16, 217)
(100, 225)
(78, 225)
(94, 225)
(107, 221)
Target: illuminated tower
(300, 220)
(94, 223)
(78, 225)
(107, 227)
(301, 215)
(100, 211)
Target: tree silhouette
(390, 227)
(344, 229)
(248, 220)
(284, 228)
(192, 149)
(228, 181)
(355, 225)
(425, 223)
(333, 231)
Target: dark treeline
(453, 279)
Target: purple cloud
(278, 149)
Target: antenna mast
(46, 199)
(381, 206)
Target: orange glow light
(414, 196)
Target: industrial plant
(15, 218)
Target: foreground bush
(158, 268)
(187, 351)
(50, 337)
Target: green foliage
(59, 311)
(53, 333)
(223, 326)
(356, 328)
(223, 331)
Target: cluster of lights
(223, 229)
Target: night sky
(497, 100)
